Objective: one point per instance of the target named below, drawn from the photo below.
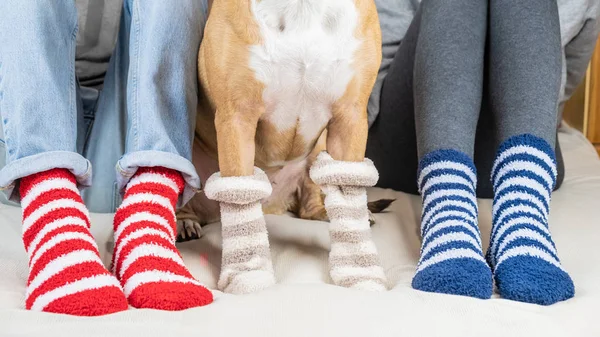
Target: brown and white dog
(281, 82)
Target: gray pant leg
(524, 67)
(449, 66)
(392, 143)
(442, 110)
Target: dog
(282, 81)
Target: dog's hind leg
(310, 204)
(196, 213)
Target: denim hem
(26, 166)
(129, 163)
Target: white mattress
(304, 303)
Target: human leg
(525, 72)
(448, 86)
(156, 172)
(40, 122)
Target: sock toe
(531, 280)
(94, 302)
(463, 277)
(170, 296)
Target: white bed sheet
(304, 303)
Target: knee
(184, 19)
(184, 11)
(38, 15)
(456, 8)
(453, 22)
(40, 8)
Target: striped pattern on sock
(522, 253)
(145, 258)
(66, 274)
(353, 258)
(246, 263)
(451, 252)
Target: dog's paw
(188, 230)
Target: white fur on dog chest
(305, 60)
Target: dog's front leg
(343, 173)
(239, 187)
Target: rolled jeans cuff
(26, 166)
(129, 163)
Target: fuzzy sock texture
(246, 263)
(66, 274)
(353, 259)
(522, 253)
(145, 258)
(451, 254)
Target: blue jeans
(144, 115)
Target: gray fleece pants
(467, 76)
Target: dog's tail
(380, 205)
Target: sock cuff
(26, 184)
(528, 140)
(174, 175)
(158, 180)
(446, 161)
(526, 148)
(327, 171)
(238, 190)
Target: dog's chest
(304, 60)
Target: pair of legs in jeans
(150, 93)
(473, 93)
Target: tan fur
(231, 106)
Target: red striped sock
(66, 274)
(145, 259)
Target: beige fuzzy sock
(353, 259)
(246, 264)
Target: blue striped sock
(451, 255)
(522, 253)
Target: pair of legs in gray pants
(468, 75)
(469, 108)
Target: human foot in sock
(66, 274)
(246, 264)
(451, 255)
(522, 253)
(145, 259)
